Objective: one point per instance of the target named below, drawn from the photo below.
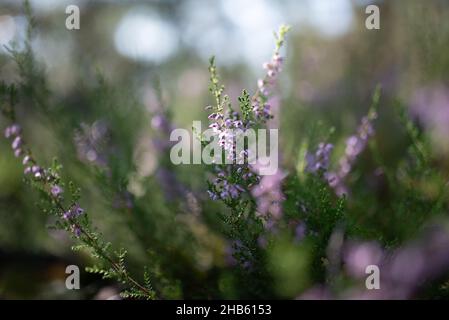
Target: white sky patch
(236, 31)
(7, 29)
(12, 31)
(254, 23)
(143, 35)
(332, 18)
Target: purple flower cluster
(354, 147)
(262, 109)
(13, 132)
(223, 188)
(70, 215)
(228, 127)
(319, 161)
(225, 126)
(46, 177)
(73, 212)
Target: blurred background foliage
(132, 59)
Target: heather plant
(224, 230)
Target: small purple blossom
(74, 212)
(56, 191)
(17, 142)
(35, 169)
(27, 159)
(12, 131)
(18, 152)
(76, 231)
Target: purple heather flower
(354, 147)
(18, 152)
(56, 191)
(77, 210)
(27, 170)
(12, 130)
(26, 159)
(17, 142)
(15, 129)
(7, 132)
(300, 231)
(238, 124)
(213, 195)
(74, 212)
(35, 169)
(76, 231)
(319, 161)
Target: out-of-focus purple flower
(354, 147)
(18, 152)
(300, 231)
(170, 184)
(161, 123)
(27, 159)
(13, 131)
(319, 161)
(431, 106)
(269, 196)
(403, 272)
(223, 189)
(17, 142)
(357, 256)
